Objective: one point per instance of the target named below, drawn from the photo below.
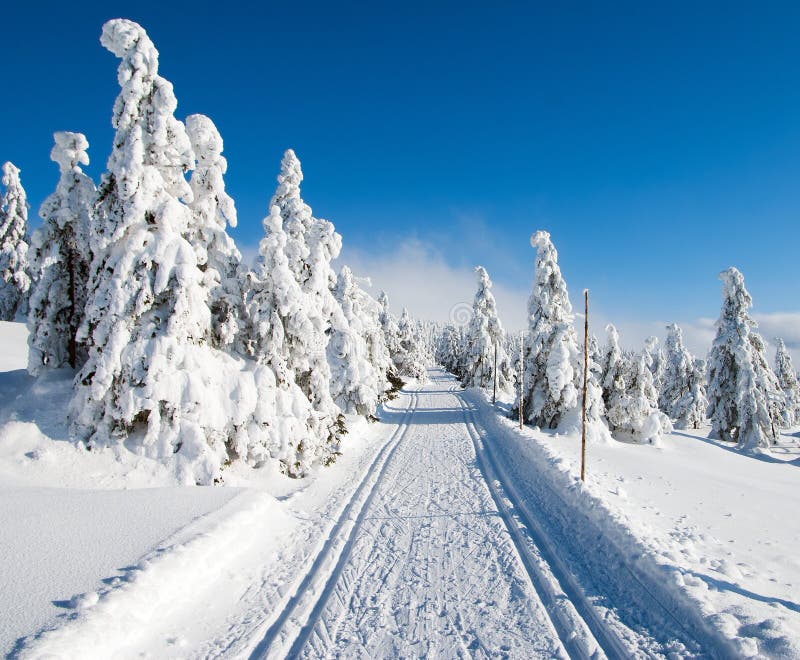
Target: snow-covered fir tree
(551, 351)
(614, 378)
(362, 381)
(151, 380)
(690, 409)
(787, 380)
(678, 369)
(280, 335)
(212, 211)
(311, 244)
(409, 361)
(597, 431)
(447, 349)
(741, 387)
(391, 332)
(654, 357)
(485, 340)
(14, 243)
(60, 259)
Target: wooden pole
(521, 375)
(494, 390)
(585, 377)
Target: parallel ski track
(609, 640)
(578, 624)
(297, 616)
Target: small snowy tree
(597, 431)
(551, 351)
(60, 259)
(690, 409)
(365, 359)
(485, 340)
(613, 381)
(787, 380)
(410, 361)
(654, 357)
(678, 370)
(390, 330)
(212, 210)
(740, 384)
(447, 348)
(14, 242)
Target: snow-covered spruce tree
(151, 380)
(369, 311)
(678, 369)
(447, 348)
(361, 342)
(551, 351)
(212, 210)
(409, 361)
(787, 380)
(614, 379)
(654, 357)
(280, 336)
(614, 370)
(390, 330)
(597, 431)
(311, 245)
(741, 387)
(14, 242)
(485, 340)
(59, 261)
(690, 409)
(645, 422)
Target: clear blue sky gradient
(658, 142)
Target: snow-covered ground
(722, 524)
(443, 530)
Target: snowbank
(703, 525)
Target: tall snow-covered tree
(14, 243)
(59, 261)
(281, 332)
(311, 244)
(151, 380)
(212, 211)
(741, 387)
(787, 380)
(485, 340)
(551, 351)
(678, 369)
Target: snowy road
(435, 562)
(442, 541)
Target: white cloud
(415, 275)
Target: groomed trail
(447, 538)
(439, 558)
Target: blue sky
(658, 142)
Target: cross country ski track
(438, 554)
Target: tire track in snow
(579, 626)
(433, 571)
(616, 638)
(292, 620)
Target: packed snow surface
(441, 531)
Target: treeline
(182, 351)
(636, 396)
